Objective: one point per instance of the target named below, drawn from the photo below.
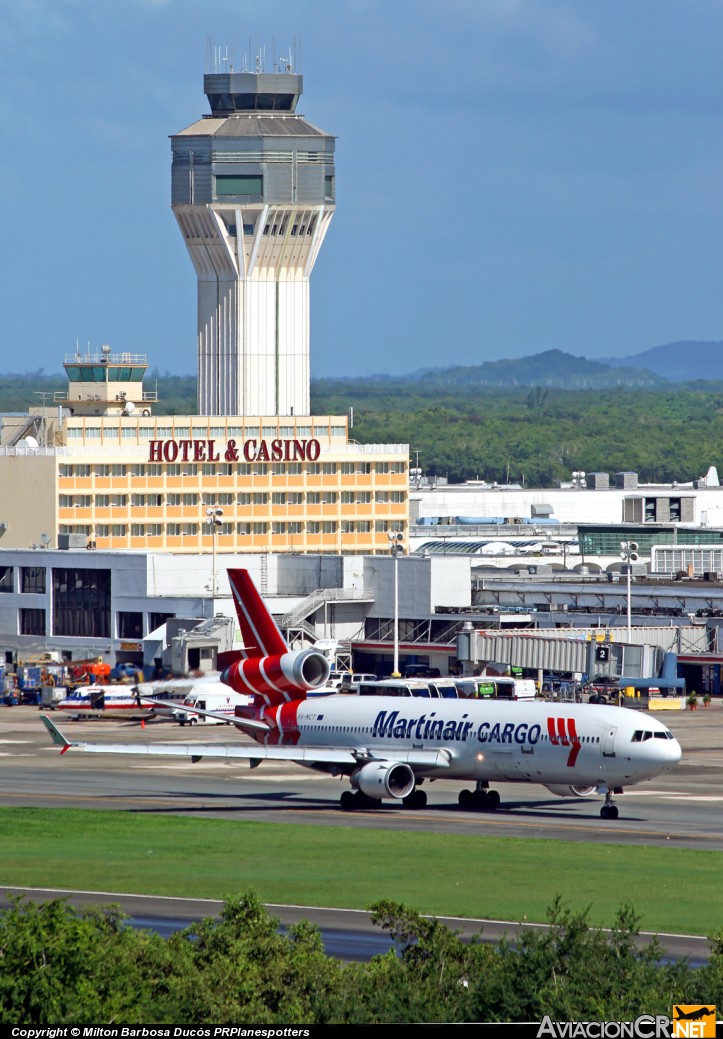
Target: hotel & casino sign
(252, 450)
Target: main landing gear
(354, 801)
(609, 810)
(479, 800)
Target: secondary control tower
(253, 193)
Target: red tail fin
(259, 630)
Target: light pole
(214, 521)
(628, 553)
(395, 547)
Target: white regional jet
(388, 746)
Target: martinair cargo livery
(388, 746)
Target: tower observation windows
(243, 184)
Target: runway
(682, 808)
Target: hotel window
(363, 497)
(328, 527)
(259, 528)
(137, 471)
(313, 497)
(382, 467)
(138, 501)
(154, 530)
(102, 501)
(347, 497)
(364, 467)
(146, 432)
(313, 468)
(287, 431)
(137, 530)
(118, 530)
(243, 469)
(65, 501)
(118, 501)
(330, 498)
(32, 579)
(102, 470)
(217, 431)
(183, 432)
(398, 497)
(338, 431)
(243, 528)
(278, 498)
(79, 470)
(163, 433)
(398, 467)
(261, 469)
(235, 431)
(190, 470)
(190, 499)
(173, 469)
(347, 468)
(190, 529)
(173, 530)
(225, 498)
(348, 527)
(268, 432)
(295, 528)
(278, 528)
(328, 468)
(75, 432)
(174, 499)
(293, 469)
(313, 527)
(363, 526)
(208, 469)
(155, 469)
(118, 470)
(294, 498)
(32, 622)
(81, 501)
(381, 497)
(102, 530)
(92, 432)
(129, 432)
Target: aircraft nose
(669, 753)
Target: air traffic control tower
(253, 194)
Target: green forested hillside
(537, 434)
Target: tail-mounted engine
(278, 677)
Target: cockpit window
(663, 735)
(640, 735)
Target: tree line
(61, 966)
(535, 436)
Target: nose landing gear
(609, 810)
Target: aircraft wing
(251, 752)
(245, 723)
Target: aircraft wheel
(417, 799)
(493, 801)
(346, 801)
(609, 812)
(466, 799)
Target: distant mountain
(684, 361)
(552, 368)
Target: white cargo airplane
(388, 746)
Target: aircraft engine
(380, 779)
(573, 791)
(292, 672)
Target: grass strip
(672, 889)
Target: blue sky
(512, 175)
